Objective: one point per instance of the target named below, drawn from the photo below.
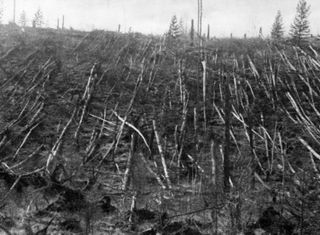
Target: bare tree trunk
(163, 160)
(204, 68)
(238, 214)
(227, 111)
(215, 183)
(129, 164)
(251, 143)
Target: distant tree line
(37, 20)
(299, 29)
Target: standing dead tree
(200, 20)
(14, 11)
(192, 32)
(23, 19)
(1, 11)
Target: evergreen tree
(174, 29)
(300, 28)
(38, 18)
(23, 19)
(277, 27)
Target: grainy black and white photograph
(160, 117)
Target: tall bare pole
(200, 13)
(199, 34)
(14, 11)
(199, 18)
(192, 32)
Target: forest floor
(107, 133)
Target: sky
(238, 17)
